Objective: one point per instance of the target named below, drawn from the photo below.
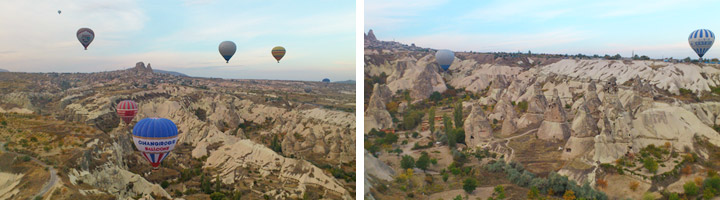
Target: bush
(674, 196)
(164, 184)
(423, 161)
(650, 164)
(407, 162)
(412, 119)
(522, 106)
(217, 196)
(690, 188)
(469, 185)
(634, 185)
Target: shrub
(634, 185)
(407, 162)
(469, 185)
(423, 161)
(690, 188)
(650, 164)
(602, 183)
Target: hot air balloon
(444, 58)
(126, 110)
(155, 138)
(86, 36)
(278, 52)
(227, 50)
(701, 40)
(308, 89)
(59, 12)
(326, 80)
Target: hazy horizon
(182, 36)
(653, 28)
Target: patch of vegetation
(554, 184)
(522, 106)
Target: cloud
(519, 11)
(499, 42)
(381, 14)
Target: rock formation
(554, 127)
(476, 126)
(536, 108)
(377, 116)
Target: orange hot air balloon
(126, 110)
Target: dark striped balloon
(127, 110)
(278, 52)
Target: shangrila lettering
(157, 143)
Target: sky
(182, 36)
(657, 28)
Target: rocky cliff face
(236, 161)
(420, 77)
(376, 115)
(476, 126)
(554, 125)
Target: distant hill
(170, 72)
(4, 70)
(346, 82)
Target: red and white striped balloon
(126, 110)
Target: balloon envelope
(227, 50)
(155, 138)
(59, 12)
(326, 80)
(444, 58)
(127, 110)
(85, 36)
(278, 52)
(701, 40)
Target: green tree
(275, 144)
(205, 184)
(499, 192)
(435, 97)
(469, 185)
(712, 183)
(458, 197)
(407, 162)
(218, 183)
(708, 193)
(164, 184)
(423, 161)
(690, 188)
(458, 114)
(217, 196)
(431, 119)
(674, 196)
(534, 193)
(650, 164)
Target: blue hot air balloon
(155, 138)
(701, 40)
(444, 58)
(326, 80)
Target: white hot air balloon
(701, 40)
(85, 36)
(227, 50)
(444, 58)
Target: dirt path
(53, 174)
(507, 142)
